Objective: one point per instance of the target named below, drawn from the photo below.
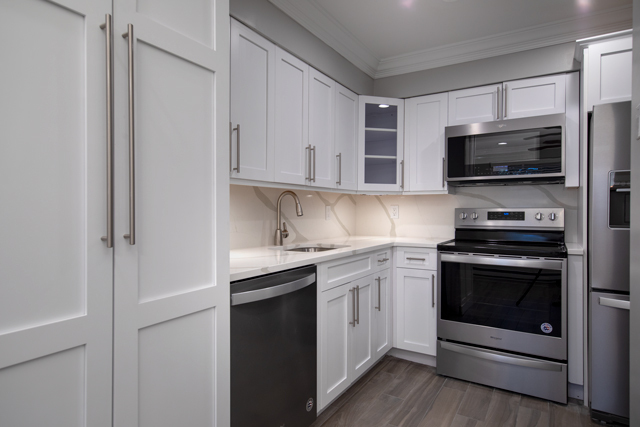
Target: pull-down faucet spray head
(283, 233)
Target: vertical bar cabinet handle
(402, 174)
(339, 157)
(238, 150)
(379, 279)
(108, 27)
(353, 307)
(314, 164)
(433, 293)
(230, 146)
(505, 92)
(132, 141)
(231, 129)
(308, 150)
(498, 103)
(358, 305)
(443, 165)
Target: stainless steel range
(502, 309)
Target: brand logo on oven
(546, 328)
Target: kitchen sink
(311, 249)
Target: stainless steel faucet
(284, 233)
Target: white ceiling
(390, 37)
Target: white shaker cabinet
(426, 118)
(292, 149)
(171, 288)
(346, 138)
(56, 274)
(253, 62)
(608, 72)
(380, 144)
(362, 331)
(533, 97)
(475, 105)
(382, 330)
(416, 300)
(321, 129)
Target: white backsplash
(433, 215)
(253, 216)
(253, 212)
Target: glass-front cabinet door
(380, 144)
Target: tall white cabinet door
(362, 333)
(534, 97)
(171, 361)
(55, 271)
(346, 138)
(415, 313)
(292, 150)
(382, 314)
(475, 105)
(321, 133)
(609, 72)
(426, 118)
(253, 83)
(336, 313)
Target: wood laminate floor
(399, 393)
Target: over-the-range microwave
(518, 151)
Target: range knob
(539, 216)
(552, 216)
(474, 216)
(463, 215)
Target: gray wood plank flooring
(399, 393)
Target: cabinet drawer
(344, 270)
(421, 258)
(381, 259)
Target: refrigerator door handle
(615, 303)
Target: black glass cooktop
(545, 244)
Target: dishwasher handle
(272, 292)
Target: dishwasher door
(273, 349)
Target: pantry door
(171, 338)
(55, 270)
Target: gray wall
(275, 25)
(635, 227)
(535, 62)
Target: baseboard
(412, 356)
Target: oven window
(520, 299)
(526, 152)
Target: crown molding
(326, 28)
(315, 19)
(567, 30)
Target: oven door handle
(501, 357)
(546, 264)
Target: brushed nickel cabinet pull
(237, 129)
(353, 307)
(358, 304)
(402, 174)
(416, 259)
(498, 103)
(313, 150)
(308, 150)
(383, 260)
(504, 116)
(132, 141)
(339, 157)
(379, 279)
(433, 293)
(443, 165)
(108, 27)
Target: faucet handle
(285, 232)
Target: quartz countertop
(252, 262)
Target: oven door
(510, 303)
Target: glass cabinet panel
(380, 144)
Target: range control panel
(526, 218)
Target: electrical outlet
(395, 212)
(327, 213)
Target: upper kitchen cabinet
(253, 62)
(380, 144)
(426, 118)
(533, 97)
(474, 105)
(293, 154)
(510, 100)
(321, 130)
(346, 138)
(608, 72)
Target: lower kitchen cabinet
(416, 310)
(355, 331)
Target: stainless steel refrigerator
(608, 251)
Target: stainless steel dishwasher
(273, 349)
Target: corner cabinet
(426, 118)
(380, 144)
(416, 300)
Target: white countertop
(252, 262)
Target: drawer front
(420, 258)
(381, 259)
(344, 270)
